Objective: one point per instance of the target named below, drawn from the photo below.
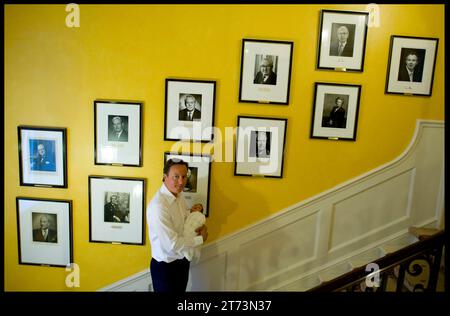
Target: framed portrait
(44, 231)
(260, 146)
(189, 114)
(265, 71)
(342, 40)
(335, 111)
(42, 156)
(199, 178)
(118, 134)
(116, 210)
(411, 65)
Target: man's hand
(203, 231)
(197, 208)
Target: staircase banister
(384, 263)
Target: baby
(194, 220)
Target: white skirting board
(329, 233)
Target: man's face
(190, 103)
(117, 125)
(44, 222)
(411, 61)
(41, 150)
(262, 139)
(176, 179)
(342, 34)
(114, 199)
(266, 67)
(339, 102)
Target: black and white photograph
(190, 107)
(117, 128)
(260, 146)
(191, 183)
(42, 156)
(342, 40)
(189, 113)
(117, 207)
(118, 133)
(411, 65)
(196, 190)
(44, 231)
(335, 111)
(116, 210)
(265, 71)
(45, 228)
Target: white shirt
(166, 215)
(410, 74)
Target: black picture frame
(52, 249)
(252, 131)
(118, 133)
(119, 220)
(349, 28)
(420, 54)
(200, 171)
(198, 126)
(268, 59)
(42, 156)
(335, 111)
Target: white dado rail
(322, 237)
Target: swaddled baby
(194, 220)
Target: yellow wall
(54, 73)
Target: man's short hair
(339, 98)
(174, 161)
(117, 117)
(269, 61)
(190, 96)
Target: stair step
(398, 244)
(334, 272)
(365, 258)
(303, 284)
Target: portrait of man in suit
(260, 144)
(117, 128)
(265, 73)
(46, 232)
(43, 158)
(342, 39)
(115, 210)
(191, 111)
(411, 65)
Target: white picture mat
(42, 177)
(347, 132)
(118, 152)
(354, 62)
(195, 130)
(203, 164)
(260, 166)
(266, 92)
(116, 232)
(44, 252)
(423, 87)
